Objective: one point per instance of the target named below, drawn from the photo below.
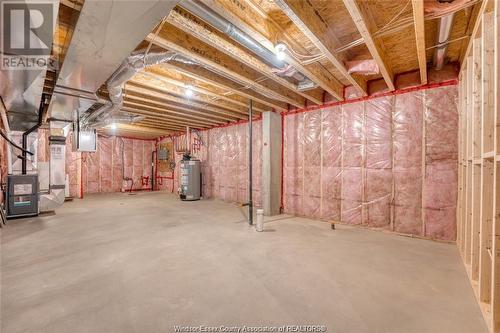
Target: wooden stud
(375, 50)
(418, 19)
(156, 84)
(195, 27)
(307, 19)
(174, 39)
(204, 75)
(145, 90)
(213, 94)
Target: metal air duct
(443, 36)
(129, 67)
(105, 34)
(226, 27)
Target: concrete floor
(148, 262)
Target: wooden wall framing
(478, 209)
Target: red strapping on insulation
(367, 148)
(365, 98)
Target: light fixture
(189, 90)
(112, 126)
(280, 49)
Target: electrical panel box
(22, 195)
(163, 154)
(85, 141)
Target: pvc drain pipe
(260, 220)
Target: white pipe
(443, 35)
(260, 220)
(188, 140)
(3, 113)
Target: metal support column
(250, 128)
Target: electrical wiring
(394, 25)
(12, 143)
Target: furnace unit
(22, 195)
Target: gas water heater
(190, 182)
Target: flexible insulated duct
(129, 67)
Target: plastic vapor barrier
(223, 152)
(119, 164)
(388, 162)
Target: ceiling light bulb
(280, 49)
(112, 126)
(280, 55)
(189, 90)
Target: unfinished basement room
(260, 166)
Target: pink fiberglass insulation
(440, 186)
(223, 152)
(105, 147)
(362, 163)
(224, 157)
(117, 165)
(407, 134)
(293, 163)
(352, 161)
(312, 164)
(331, 172)
(116, 158)
(378, 161)
(72, 167)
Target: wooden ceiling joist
(155, 121)
(132, 128)
(205, 89)
(178, 88)
(161, 117)
(139, 88)
(375, 50)
(195, 27)
(204, 75)
(418, 19)
(176, 40)
(141, 101)
(260, 26)
(307, 19)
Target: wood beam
(178, 88)
(418, 19)
(375, 50)
(155, 115)
(157, 109)
(477, 24)
(154, 123)
(204, 32)
(141, 129)
(204, 75)
(174, 108)
(308, 20)
(174, 39)
(202, 89)
(133, 86)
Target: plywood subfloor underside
(144, 263)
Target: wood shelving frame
(478, 209)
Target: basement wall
(103, 170)
(223, 152)
(387, 163)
